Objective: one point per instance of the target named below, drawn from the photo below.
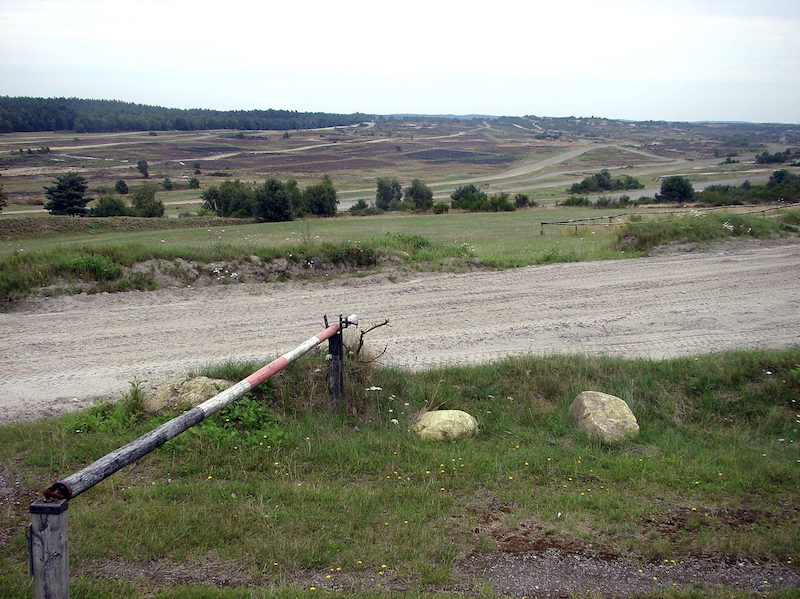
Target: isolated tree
(121, 187)
(271, 203)
(143, 168)
(319, 199)
(468, 196)
(65, 197)
(3, 199)
(676, 189)
(144, 202)
(420, 195)
(388, 194)
(194, 183)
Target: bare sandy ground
(61, 353)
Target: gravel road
(58, 354)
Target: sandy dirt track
(62, 353)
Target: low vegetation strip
(59, 268)
(285, 494)
(38, 226)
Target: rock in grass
(179, 394)
(603, 417)
(444, 425)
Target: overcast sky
(630, 59)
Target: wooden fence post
(49, 554)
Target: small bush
(521, 200)
(359, 208)
(110, 206)
(441, 208)
(576, 202)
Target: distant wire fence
(615, 220)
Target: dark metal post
(336, 366)
(49, 555)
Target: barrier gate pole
(48, 534)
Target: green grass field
(93, 255)
(285, 494)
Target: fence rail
(48, 533)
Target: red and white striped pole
(74, 485)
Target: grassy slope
(102, 259)
(283, 487)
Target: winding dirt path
(63, 352)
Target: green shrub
(94, 267)
(350, 253)
(576, 202)
(694, 227)
(109, 206)
(790, 217)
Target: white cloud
(568, 56)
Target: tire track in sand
(66, 351)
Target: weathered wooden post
(48, 547)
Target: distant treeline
(108, 116)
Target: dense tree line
(67, 197)
(271, 201)
(468, 197)
(778, 157)
(603, 181)
(782, 186)
(22, 114)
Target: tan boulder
(603, 417)
(444, 425)
(179, 394)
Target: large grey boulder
(179, 394)
(444, 425)
(603, 417)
